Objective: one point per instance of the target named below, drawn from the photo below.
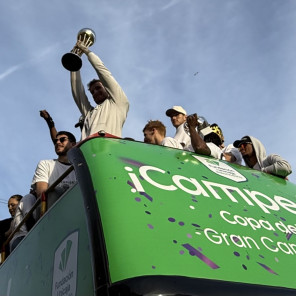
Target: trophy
(72, 60)
(202, 123)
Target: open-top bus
(150, 220)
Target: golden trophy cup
(72, 60)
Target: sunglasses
(243, 145)
(61, 139)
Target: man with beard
(51, 125)
(46, 173)
(254, 155)
(112, 104)
(178, 117)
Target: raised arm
(79, 94)
(198, 144)
(50, 123)
(78, 91)
(105, 76)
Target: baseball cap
(217, 130)
(244, 139)
(212, 131)
(175, 109)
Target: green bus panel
(169, 212)
(54, 258)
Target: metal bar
(38, 201)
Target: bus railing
(41, 200)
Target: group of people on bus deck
(109, 115)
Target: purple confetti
(237, 254)
(288, 236)
(172, 219)
(174, 241)
(147, 196)
(283, 219)
(147, 212)
(189, 235)
(255, 175)
(181, 252)
(267, 268)
(137, 199)
(244, 267)
(198, 254)
(131, 184)
(131, 161)
(153, 267)
(210, 216)
(195, 225)
(181, 223)
(150, 226)
(275, 234)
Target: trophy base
(72, 62)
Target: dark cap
(244, 139)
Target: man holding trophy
(112, 105)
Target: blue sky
(243, 51)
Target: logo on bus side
(65, 267)
(222, 169)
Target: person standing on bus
(212, 142)
(46, 173)
(5, 225)
(254, 155)
(178, 117)
(112, 105)
(154, 133)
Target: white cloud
(9, 71)
(243, 51)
